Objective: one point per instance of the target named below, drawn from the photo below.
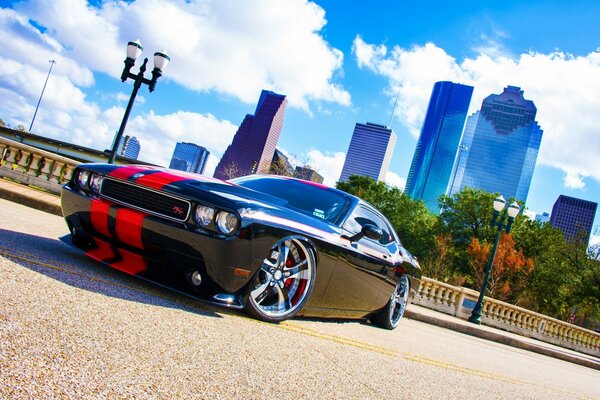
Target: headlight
(96, 182)
(226, 222)
(204, 215)
(82, 179)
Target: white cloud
(563, 87)
(236, 48)
(329, 165)
(395, 180)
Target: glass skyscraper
(189, 157)
(370, 151)
(436, 149)
(253, 145)
(501, 143)
(129, 147)
(573, 217)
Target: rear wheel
(389, 317)
(284, 282)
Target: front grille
(145, 199)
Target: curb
(499, 338)
(31, 201)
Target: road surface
(73, 328)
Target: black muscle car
(274, 246)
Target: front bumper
(151, 247)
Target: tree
(437, 263)
(510, 269)
(232, 170)
(20, 128)
(2, 124)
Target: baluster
(34, 165)
(11, 157)
(57, 172)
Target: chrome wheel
(389, 317)
(283, 283)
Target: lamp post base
(475, 318)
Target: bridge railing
(32, 166)
(459, 301)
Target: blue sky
(339, 62)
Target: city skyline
(189, 157)
(338, 65)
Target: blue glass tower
(189, 157)
(129, 147)
(370, 151)
(436, 149)
(501, 143)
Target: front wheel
(389, 317)
(283, 283)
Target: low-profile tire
(389, 317)
(284, 281)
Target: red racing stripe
(160, 179)
(129, 227)
(99, 216)
(102, 252)
(131, 263)
(126, 172)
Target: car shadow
(56, 260)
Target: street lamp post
(52, 62)
(134, 50)
(499, 211)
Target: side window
(362, 216)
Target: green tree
(411, 219)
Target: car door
(361, 279)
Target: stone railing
(35, 167)
(460, 302)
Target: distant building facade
(253, 145)
(189, 157)
(436, 149)
(543, 217)
(573, 217)
(370, 151)
(501, 144)
(280, 165)
(308, 174)
(129, 147)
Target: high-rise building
(370, 151)
(308, 174)
(189, 157)
(129, 147)
(253, 145)
(574, 217)
(501, 143)
(280, 165)
(437, 146)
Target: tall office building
(370, 151)
(436, 149)
(573, 217)
(253, 145)
(189, 157)
(129, 147)
(501, 143)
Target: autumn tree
(510, 269)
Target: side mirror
(368, 230)
(372, 232)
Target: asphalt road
(73, 328)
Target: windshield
(311, 199)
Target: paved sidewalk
(47, 202)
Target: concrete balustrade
(32, 166)
(460, 302)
